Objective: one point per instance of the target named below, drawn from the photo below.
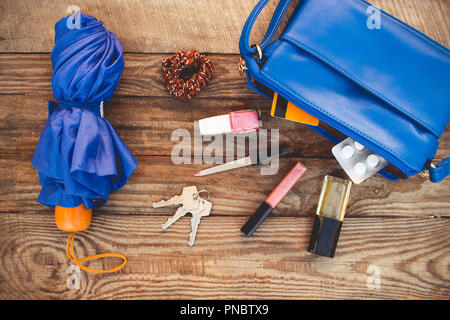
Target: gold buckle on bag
(242, 65)
(425, 173)
(258, 48)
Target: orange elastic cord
(71, 255)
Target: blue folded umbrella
(79, 156)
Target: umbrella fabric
(79, 156)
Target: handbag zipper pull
(426, 173)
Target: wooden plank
(167, 26)
(238, 192)
(142, 26)
(146, 124)
(411, 253)
(32, 74)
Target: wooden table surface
(401, 228)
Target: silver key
(188, 199)
(181, 212)
(203, 211)
(165, 203)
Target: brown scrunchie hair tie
(187, 73)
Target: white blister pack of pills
(358, 162)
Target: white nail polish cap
(215, 125)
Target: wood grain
(225, 264)
(170, 25)
(237, 193)
(31, 74)
(146, 124)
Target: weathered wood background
(403, 227)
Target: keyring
(198, 194)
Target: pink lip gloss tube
(274, 199)
(234, 122)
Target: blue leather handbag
(387, 88)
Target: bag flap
(335, 99)
(398, 64)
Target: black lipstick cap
(324, 236)
(256, 219)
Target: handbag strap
(244, 46)
(247, 51)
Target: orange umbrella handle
(73, 219)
